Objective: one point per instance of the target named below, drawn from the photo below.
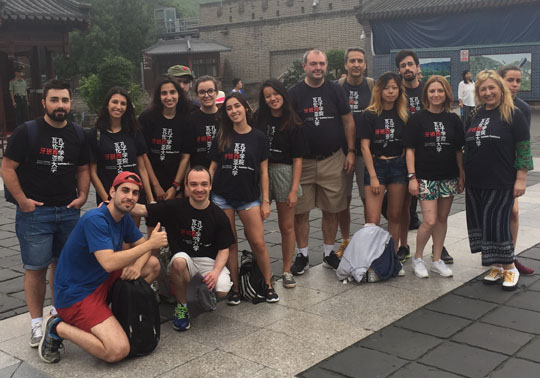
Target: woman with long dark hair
(164, 128)
(466, 96)
(434, 139)
(276, 118)
(497, 158)
(239, 168)
(381, 133)
(117, 145)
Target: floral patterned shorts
(429, 190)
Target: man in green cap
(184, 76)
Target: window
(329, 5)
(302, 9)
(205, 66)
(277, 13)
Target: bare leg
(180, 278)
(396, 198)
(429, 218)
(232, 262)
(373, 206)
(150, 270)
(329, 227)
(439, 232)
(344, 218)
(34, 290)
(405, 219)
(254, 229)
(301, 229)
(52, 271)
(107, 340)
(286, 227)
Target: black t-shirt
(285, 145)
(166, 142)
(237, 175)
(115, 153)
(359, 98)
(203, 128)
(525, 109)
(199, 233)
(385, 132)
(414, 98)
(435, 138)
(321, 109)
(490, 147)
(47, 169)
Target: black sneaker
(233, 299)
(271, 295)
(300, 264)
(50, 343)
(445, 256)
(331, 261)
(403, 253)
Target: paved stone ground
(318, 318)
(475, 331)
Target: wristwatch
(411, 176)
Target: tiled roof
(45, 10)
(182, 46)
(389, 9)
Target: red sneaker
(523, 269)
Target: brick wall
(265, 44)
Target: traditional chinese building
(30, 33)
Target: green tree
(116, 71)
(335, 64)
(294, 74)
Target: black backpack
(32, 133)
(135, 307)
(251, 283)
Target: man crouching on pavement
(199, 236)
(92, 259)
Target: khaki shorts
(360, 166)
(204, 265)
(323, 184)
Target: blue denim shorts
(237, 205)
(42, 234)
(389, 171)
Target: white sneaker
(36, 335)
(511, 279)
(441, 268)
(419, 267)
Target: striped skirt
(488, 223)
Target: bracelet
(411, 176)
(267, 201)
(175, 184)
(353, 150)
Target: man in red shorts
(92, 259)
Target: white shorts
(204, 265)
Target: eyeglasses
(209, 92)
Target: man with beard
(105, 245)
(358, 90)
(408, 66)
(45, 168)
(328, 123)
(184, 77)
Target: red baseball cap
(127, 176)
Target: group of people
(189, 166)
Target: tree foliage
(335, 64)
(116, 71)
(118, 28)
(294, 74)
